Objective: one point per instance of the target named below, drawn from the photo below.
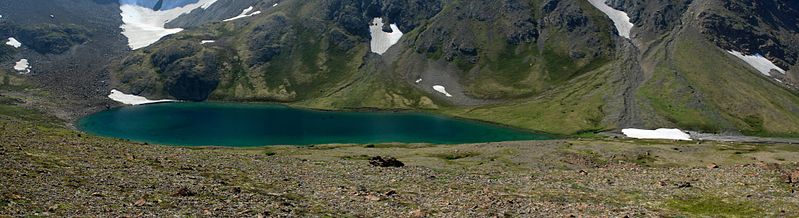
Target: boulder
(379, 161)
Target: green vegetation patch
(714, 207)
(457, 155)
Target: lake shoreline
(261, 124)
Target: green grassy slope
(743, 98)
(571, 108)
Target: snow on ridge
(620, 18)
(13, 42)
(207, 41)
(131, 99)
(244, 13)
(757, 61)
(673, 134)
(22, 66)
(442, 90)
(144, 26)
(381, 41)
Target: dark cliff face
(353, 14)
(509, 43)
(290, 52)
(515, 48)
(768, 27)
(652, 18)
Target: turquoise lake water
(237, 124)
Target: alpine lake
(243, 125)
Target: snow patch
(442, 90)
(674, 134)
(132, 99)
(758, 62)
(22, 66)
(418, 80)
(620, 18)
(207, 41)
(143, 26)
(244, 13)
(13, 42)
(275, 5)
(381, 41)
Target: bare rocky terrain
(556, 66)
(50, 170)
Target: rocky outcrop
(652, 18)
(46, 38)
(268, 39)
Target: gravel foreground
(51, 170)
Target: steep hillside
(67, 45)
(476, 49)
(556, 66)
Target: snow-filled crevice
(144, 26)
(620, 18)
(760, 63)
(382, 40)
(441, 89)
(247, 12)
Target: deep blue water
(235, 124)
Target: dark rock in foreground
(379, 161)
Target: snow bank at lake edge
(130, 99)
(673, 134)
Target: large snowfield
(673, 134)
(381, 40)
(144, 26)
(620, 18)
(132, 99)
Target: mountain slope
(556, 66)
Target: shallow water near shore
(239, 124)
